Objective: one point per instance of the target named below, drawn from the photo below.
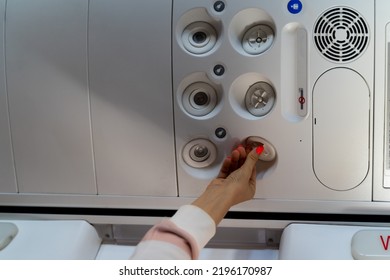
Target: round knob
(258, 39)
(199, 37)
(260, 99)
(199, 153)
(199, 99)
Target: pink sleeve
(180, 237)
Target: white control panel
(135, 104)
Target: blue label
(294, 6)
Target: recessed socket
(252, 96)
(269, 153)
(260, 99)
(197, 31)
(199, 99)
(258, 39)
(199, 153)
(199, 37)
(252, 31)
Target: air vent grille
(341, 34)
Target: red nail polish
(259, 149)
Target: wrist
(215, 201)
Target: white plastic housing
(51, 240)
(92, 113)
(334, 242)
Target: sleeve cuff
(196, 222)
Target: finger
(235, 158)
(251, 161)
(243, 154)
(225, 168)
(249, 146)
(252, 180)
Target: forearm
(215, 201)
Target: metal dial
(260, 99)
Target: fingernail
(259, 149)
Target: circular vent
(341, 34)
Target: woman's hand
(235, 183)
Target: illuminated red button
(371, 245)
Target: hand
(235, 183)
(238, 175)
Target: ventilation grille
(341, 34)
